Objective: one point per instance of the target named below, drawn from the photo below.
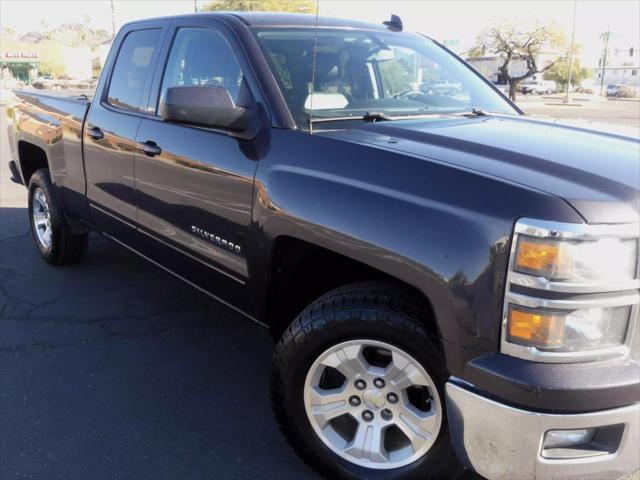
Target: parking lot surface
(620, 116)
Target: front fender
(444, 230)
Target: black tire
(371, 310)
(66, 247)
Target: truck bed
(53, 121)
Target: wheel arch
(31, 157)
(300, 271)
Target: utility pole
(604, 59)
(195, 6)
(573, 36)
(113, 22)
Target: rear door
(112, 124)
(195, 185)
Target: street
(112, 369)
(620, 116)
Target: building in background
(25, 62)
(619, 63)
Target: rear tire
(51, 232)
(385, 317)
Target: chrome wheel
(41, 219)
(372, 404)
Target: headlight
(568, 331)
(571, 291)
(577, 261)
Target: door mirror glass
(204, 105)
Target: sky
(459, 20)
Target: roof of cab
(274, 19)
(277, 19)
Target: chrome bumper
(502, 442)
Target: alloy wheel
(42, 219)
(373, 404)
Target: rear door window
(132, 69)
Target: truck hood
(597, 173)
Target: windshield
(360, 71)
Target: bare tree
(513, 41)
(296, 6)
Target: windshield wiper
(476, 112)
(375, 117)
(367, 117)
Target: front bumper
(502, 442)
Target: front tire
(357, 387)
(57, 244)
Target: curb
(615, 99)
(562, 104)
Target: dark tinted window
(132, 68)
(201, 56)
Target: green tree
(295, 6)
(7, 34)
(477, 51)
(50, 69)
(559, 73)
(515, 41)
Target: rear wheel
(357, 387)
(58, 245)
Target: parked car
(587, 90)
(448, 282)
(536, 87)
(441, 88)
(621, 91)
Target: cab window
(201, 56)
(131, 69)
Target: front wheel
(357, 387)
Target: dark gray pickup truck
(449, 282)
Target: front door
(195, 185)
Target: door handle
(96, 133)
(149, 148)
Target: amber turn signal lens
(535, 327)
(543, 258)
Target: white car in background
(536, 87)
